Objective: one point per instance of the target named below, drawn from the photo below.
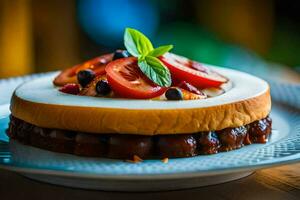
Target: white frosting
(41, 90)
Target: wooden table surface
(274, 183)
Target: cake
(142, 102)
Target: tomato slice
(128, 81)
(184, 69)
(70, 75)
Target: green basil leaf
(136, 42)
(160, 50)
(155, 70)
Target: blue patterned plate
(108, 174)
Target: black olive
(103, 88)
(84, 77)
(174, 94)
(120, 54)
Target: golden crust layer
(142, 122)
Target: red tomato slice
(128, 81)
(96, 64)
(184, 69)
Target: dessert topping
(187, 95)
(195, 73)
(187, 86)
(103, 88)
(120, 54)
(84, 77)
(142, 72)
(128, 81)
(70, 88)
(69, 75)
(138, 45)
(174, 94)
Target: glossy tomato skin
(127, 81)
(96, 64)
(183, 69)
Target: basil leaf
(136, 42)
(155, 70)
(160, 50)
(138, 45)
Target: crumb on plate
(135, 159)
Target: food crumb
(165, 160)
(136, 159)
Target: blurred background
(260, 37)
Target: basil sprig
(138, 45)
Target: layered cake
(141, 102)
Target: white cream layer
(245, 86)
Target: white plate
(108, 174)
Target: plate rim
(178, 175)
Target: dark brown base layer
(122, 146)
